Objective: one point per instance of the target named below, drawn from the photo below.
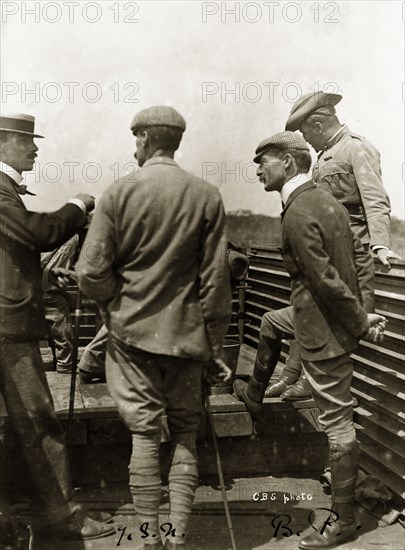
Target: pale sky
(93, 65)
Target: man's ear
(145, 139)
(319, 128)
(288, 160)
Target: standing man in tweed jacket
(319, 252)
(155, 260)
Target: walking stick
(77, 316)
(219, 468)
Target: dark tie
(22, 190)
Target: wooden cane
(219, 468)
(77, 317)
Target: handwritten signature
(281, 525)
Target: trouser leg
(38, 433)
(143, 386)
(59, 320)
(94, 355)
(293, 366)
(330, 386)
(275, 326)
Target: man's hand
(377, 326)
(88, 200)
(384, 254)
(61, 277)
(217, 371)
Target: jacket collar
(301, 189)
(160, 160)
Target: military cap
(159, 115)
(19, 123)
(283, 141)
(306, 105)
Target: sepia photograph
(202, 275)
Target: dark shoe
(86, 377)
(276, 389)
(80, 527)
(255, 408)
(299, 391)
(97, 515)
(333, 536)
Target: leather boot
(344, 464)
(279, 387)
(299, 391)
(252, 393)
(79, 526)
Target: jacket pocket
(338, 179)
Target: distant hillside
(247, 229)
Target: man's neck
(292, 184)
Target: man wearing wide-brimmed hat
(327, 318)
(32, 424)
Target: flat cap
(306, 105)
(283, 141)
(18, 123)
(158, 115)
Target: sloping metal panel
(378, 381)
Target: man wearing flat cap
(31, 425)
(348, 166)
(161, 275)
(327, 317)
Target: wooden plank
(232, 424)
(97, 399)
(59, 385)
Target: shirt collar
(292, 185)
(332, 139)
(160, 160)
(13, 174)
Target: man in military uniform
(320, 253)
(155, 261)
(348, 166)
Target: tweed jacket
(155, 259)
(23, 236)
(319, 251)
(350, 169)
